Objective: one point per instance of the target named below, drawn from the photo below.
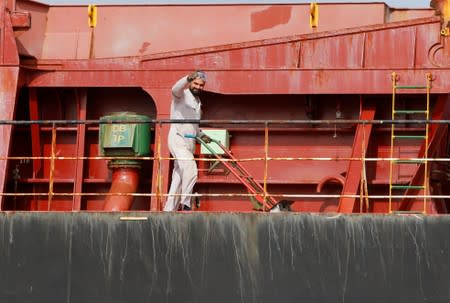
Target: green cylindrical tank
(124, 139)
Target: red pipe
(125, 180)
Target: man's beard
(196, 92)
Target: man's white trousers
(184, 173)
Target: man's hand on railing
(206, 138)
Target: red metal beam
(360, 143)
(8, 47)
(9, 74)
(248, 82)
(35, 132)
(161, 171)
(81, 99)
(353, 61)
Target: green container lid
(124, 139)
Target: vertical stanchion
(394, 88)
(425, 173)
(52, 167)
(361, 189)
(364, 171)
(158, 167)
(266, 156)
(361, 185)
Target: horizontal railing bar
(230, 160)
(262, 122)
(308, 196)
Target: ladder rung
(409, 137)
(410, 111)
(410, 161)
(407, 186)
(410, 86)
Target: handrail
(158, 158)
(231, 121)
(309, 196)
(240, 159)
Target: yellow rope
(158, 169)
(425, 173)
(52, 168)
(391, 163)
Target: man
(185, 106)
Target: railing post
(266, 156)
(52, 167)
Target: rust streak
(144, 47)
(270, 17)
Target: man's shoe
(186, 208)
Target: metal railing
(263, 125)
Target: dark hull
(223, 257)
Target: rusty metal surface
(347, 61)
(267, 64)
(127, 30)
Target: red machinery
(308, 101)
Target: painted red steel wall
(346, 64)
(126, 30)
